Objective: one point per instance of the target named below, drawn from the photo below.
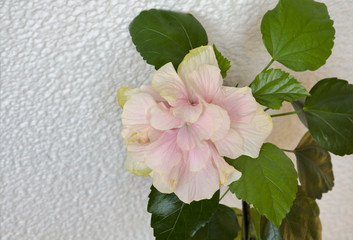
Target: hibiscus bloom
(178, 129)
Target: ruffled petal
(136, 111)
(205, 82)
(149, 90)
(223, 168)
(197, 185)
(232, 145)
(187, 138)
(135, 160)
(255, 132)
(164, 153)
(198, 157)
(167, 82)
(214, 123)
(196, 58)
(162, 118)
(161, 182)
(187, 112)
(240, 104)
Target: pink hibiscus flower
(179, 129)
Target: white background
(62, 159)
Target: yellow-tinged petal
(124, 94)
(135, 160)
(196, 58)
(136, 167)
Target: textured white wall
(62, 159)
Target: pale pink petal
(196, 58)
(187, 138)
(162, 118)
(187, 112)
(198, 157)
(167, 82)
(223, 168)
(214, 123)
(255, 132)
(206, 82)
(166, 182)
(149, 90)
(231, 145)
(136, 109)
(240, 103)
(162, 183)
(194, 186)
(164, 153)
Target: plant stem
(266, 109)
(287, 113)
(268, 65)
(224, 194)
(286, 150)
(246, 209)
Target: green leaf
(272, 87)
(223, 62)
(269, 231)
(222, 226)
(174, 220)
(298, 105)
(299, 34)
(239, 214)
(162, 36)
(255, 222)
(302, 222)
(329, 112)
(314, 167)
(269, 182)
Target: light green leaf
(174, 220)
(239, 214)
(299, 34)
(329, 112)
(222, 226)
(164, 36)
(223, 62)
(302, 222)
(269, 182)
(272, 87)
(314, 167)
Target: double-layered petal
(179, 129)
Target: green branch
(287, 113)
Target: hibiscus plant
(190, 133)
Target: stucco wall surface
(62, 167)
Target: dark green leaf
(314, 167)
(298, 105)
(164, 36)
(302, 222)
(329, 112)
(272, 87)
(174, 220)
(223, 63)
(299, 34)
(222, 226)
(269, 182)
(269, 231)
